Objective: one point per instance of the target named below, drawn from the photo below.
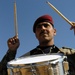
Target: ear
(54, 31)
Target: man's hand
(13, 43)
(73, 27)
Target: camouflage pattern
(68, 64)
(70, 53)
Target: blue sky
(27, 12)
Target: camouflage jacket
(69, 52)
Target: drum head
(34, 59)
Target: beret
(43, 18)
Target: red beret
(44, 18)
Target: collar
(48, 49)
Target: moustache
(43, 32)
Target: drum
(37, 65)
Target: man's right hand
(13, 43)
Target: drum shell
(38, 68)
(50, 67)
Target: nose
(43, 27)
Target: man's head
(44, 29)
(44, 18)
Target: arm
(13, 44)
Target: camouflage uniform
(10, 55)
(69, 52)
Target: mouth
(44, 34)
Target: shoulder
(28, 53)
(67, 50)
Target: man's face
(45, 32)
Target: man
(44, 31)
(13, 44)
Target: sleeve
(10, 55)
(70, 53)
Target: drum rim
(35, 56)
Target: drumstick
(15, 20)
(61, 14)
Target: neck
(46, 43)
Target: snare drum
(36, 65)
